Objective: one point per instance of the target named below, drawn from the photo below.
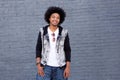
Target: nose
(56, 18)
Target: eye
(58, 17)
(53, 16)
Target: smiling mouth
(55, 22)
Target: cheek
(58, 20)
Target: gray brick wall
(94, 29)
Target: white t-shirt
(52, 60)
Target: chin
(55, 25)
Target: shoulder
(41, 30)
(65, 30)
(44, 29)
(62, 30)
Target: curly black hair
(54, 9)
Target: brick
(94, 35)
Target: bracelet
(37, 63)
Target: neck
(53, 28)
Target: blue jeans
(52, 73)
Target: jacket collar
(46, 32)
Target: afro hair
(54, 9)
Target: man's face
(54, 19)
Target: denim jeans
(52, 73)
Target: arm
(38, 55)
(67, 50)
(39, 46)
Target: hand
(67, 72)
(40, 70)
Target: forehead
(55, 14)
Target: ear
(49, 19)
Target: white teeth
(54, 22)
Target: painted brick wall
(94, 29)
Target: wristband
(37, 63)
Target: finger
(41, 73)
(64, 74)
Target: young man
(53, 52)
